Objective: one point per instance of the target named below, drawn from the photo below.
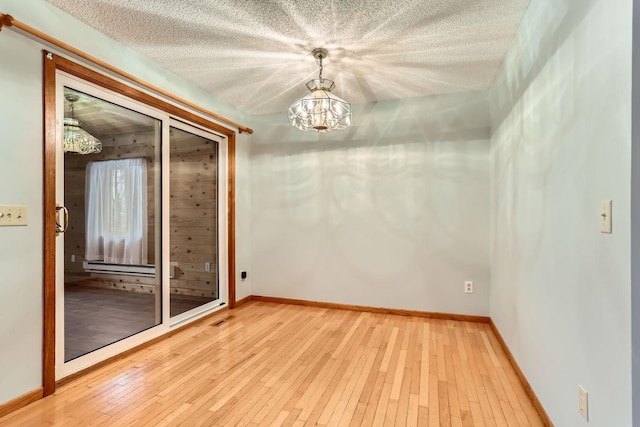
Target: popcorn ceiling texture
(255, 54)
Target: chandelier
(77, 140)
(320, 110)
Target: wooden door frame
(51, 64)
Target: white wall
(21, 174)
(561, 143)
(20, 247)
(392, 212)
(635, 214)
(243, 215)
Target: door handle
(65, 220)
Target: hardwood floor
(267, 364)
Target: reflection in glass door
(112, 244)
(194, 261)
(141, 253)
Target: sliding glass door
(141, 223)
(111, 286)
(193, 219)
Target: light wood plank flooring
(267, 364)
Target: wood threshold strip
(400, 312)
(9, 21)
(525, 384)
(20, 402)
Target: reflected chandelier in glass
(320, 110)
(77, 140)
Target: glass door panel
(193, 187)
(145, 246)
(112, 252)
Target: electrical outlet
(468, 287)
(73, 258)
(583, 402)
(207, 266)
(13, 215)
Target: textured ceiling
(255, 54)
(103, 119)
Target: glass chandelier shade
(75, 139)
(320, 110)
(79, 141)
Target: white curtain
(116, 211)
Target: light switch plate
(583, 402)
(605, 217)
(12, 215)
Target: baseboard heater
(146, 270)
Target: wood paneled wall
(193, 213)
(130, 145)
(193, 188)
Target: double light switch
(13, 215)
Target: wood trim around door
(49, 227)
(231, 218)
(52, 63)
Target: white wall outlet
(73, 258)
(468, 287)
(207, 266)
(605, 217)
(583, 402)
(13, 215)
